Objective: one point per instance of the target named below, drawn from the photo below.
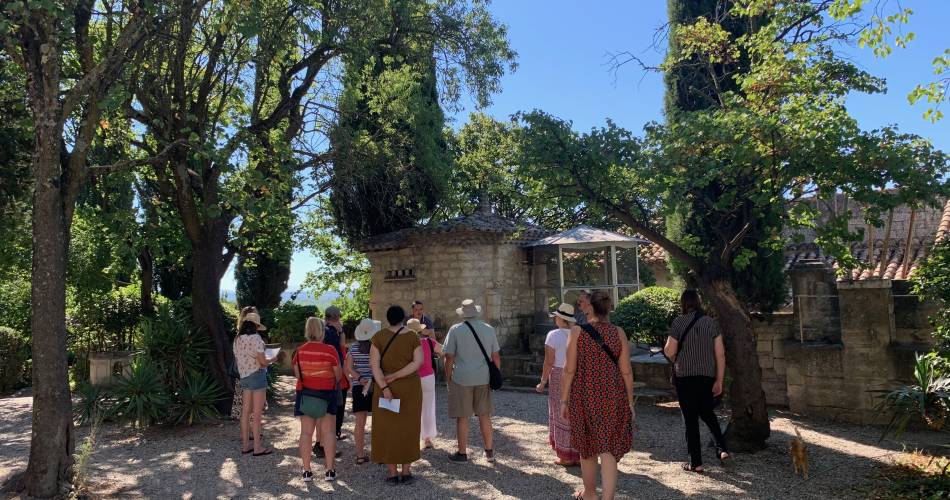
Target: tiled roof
(929, 226)
(480, 222)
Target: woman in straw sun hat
(251, 363)
(361, 375)
(430, 349)
(555, 356)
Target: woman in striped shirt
(361, 376)
(695, 348)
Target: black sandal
(688, 467)
(394, 480)
(361, 460)
(727, 460)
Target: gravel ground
(204, 461)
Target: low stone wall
(772, 332)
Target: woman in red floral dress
(592, 397)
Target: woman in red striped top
(318, 371)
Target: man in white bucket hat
(467, 376)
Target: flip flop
(265, 452)
(245, 452)
(361, 460)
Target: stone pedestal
(105, 367)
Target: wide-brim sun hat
(565, 312)
(469, 309)
(367, 328)
(256, 319)
(415, 325)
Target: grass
(916, 475)
(82, 458)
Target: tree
(70, 66)
(783, 136)
(234, 80)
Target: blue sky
(563, 49)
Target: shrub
(927, 401)
(107, 321)
(15, 353)
(646, 315)
(288, 321)
(174, 346)
(195, 399)
(140, 397)
(15, 302)
(93, 404)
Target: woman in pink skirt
(555, 355)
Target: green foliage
(14, 351)
(15, 301)
(926, 402)
(195, 399)
(173, 347)
(931, 281)
(140, 397)
(262, 276)
(288, 321)
(646, 315)
(93, 405)
(105, 321)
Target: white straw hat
(469, 309)
(367, 328)
(565, 312)
(415, 325)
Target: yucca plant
(174, 345)
(140, 397)
(927, 401)
(195, 399)
(93, 404)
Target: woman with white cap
(431, 348)
(358, 368)
(555, 356)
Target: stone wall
(446, 270)
(817, 371)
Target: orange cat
(796, 448)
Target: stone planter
(105, 367)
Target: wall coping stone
(865, 284)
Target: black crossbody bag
(595, 335)
(495, 380)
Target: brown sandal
(697, 469)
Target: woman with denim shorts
(251, 364)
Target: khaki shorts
(468, 400)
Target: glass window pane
(626, 266)
(587, 267)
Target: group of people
(390, 372)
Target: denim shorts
(256, 381)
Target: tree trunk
(749, 426)
(147, 276)
(208, 316)
(51, 444)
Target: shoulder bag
(495, 380)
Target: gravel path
(204, 461)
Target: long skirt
(559, 430)
(429, 429)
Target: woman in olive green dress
(395, 357)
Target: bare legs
(307, 426)
(252, 402)
(608, 476)
(328, 431)
(359, 434)
(484, 424)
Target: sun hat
(256, 319)
(415, 325)
(469, 309)
(565, 312)
(367, 328)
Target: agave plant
(195, 399)
(140, 397)
(93, 404)
(927, 401)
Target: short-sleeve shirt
(557, 340)
(427, 321)
(316, 362)
(332, 337)
(426, 368)
(697, 356)
(360, 361)
(246, 348)
(469, 367)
